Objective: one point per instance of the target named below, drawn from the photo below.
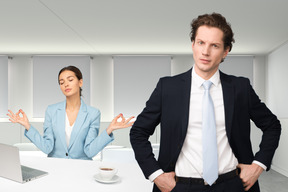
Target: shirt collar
(215, 79)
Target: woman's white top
(68, 130)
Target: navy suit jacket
(169, 106)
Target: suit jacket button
(66, 154)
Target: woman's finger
(129, 119)
(10, 112)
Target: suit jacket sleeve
(142, 129)
(270, 126)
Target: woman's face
(69, 83)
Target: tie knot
(207, 85)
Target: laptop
(11, 168)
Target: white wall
(20, 91)
(102, 86)
(276, 96)
(3, 85)
(259, 74)
(20, 97)
(277, 92)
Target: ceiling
(134, 26)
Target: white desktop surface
(75, 175)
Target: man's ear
(226, 52)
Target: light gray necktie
(210, 157)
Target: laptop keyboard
(27, 173)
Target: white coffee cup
(107, 172)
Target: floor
(273, 181)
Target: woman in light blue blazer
(71, 127)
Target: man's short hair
(213, 20)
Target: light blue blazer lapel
(60, 123)
(78, 123)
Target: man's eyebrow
(217, 43)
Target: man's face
(208, 51)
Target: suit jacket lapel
(78, 123)
(61, 115)
(186, 79)
(228, 97)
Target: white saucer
(114, 179)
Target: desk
(75, 175)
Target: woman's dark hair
(214, 20)
(76, 71)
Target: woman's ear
(80, 82)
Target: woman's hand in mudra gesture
(116, 124)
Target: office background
(105, 33)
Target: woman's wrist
(27, 126)
(109, 130)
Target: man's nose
(205, 50)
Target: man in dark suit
(176, 104)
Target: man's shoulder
(233, 78)
(180, 76)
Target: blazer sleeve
(270, 126)
(143, 128)
(46, 142)
(94, 143)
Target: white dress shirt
(190, 163)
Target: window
(135, 77)
(3, 86)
